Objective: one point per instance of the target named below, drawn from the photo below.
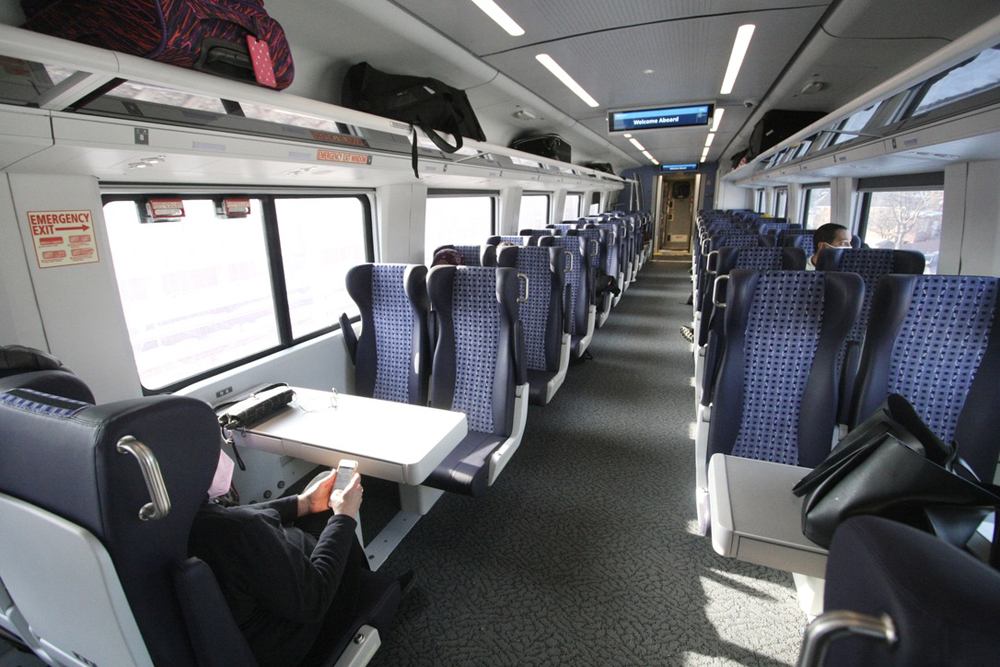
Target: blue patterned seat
(613, 265)
(581, 315)
(513, 240)
(542, 314)
(598, 250)
(775, 396)
(931, 340)
(474, 255)
(798, 238)
(392, 355)
(478, 369)
(871, 265)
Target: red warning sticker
(63, 238)
(341, 156)
(334, 138)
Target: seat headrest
(16, 359)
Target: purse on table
(257, 406)
(892, 465)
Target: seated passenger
(447, 256)
(830, 235)
(293, 590)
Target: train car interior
(485, 253)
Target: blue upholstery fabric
(595, 241)
(536, 312)
(392, 359)
(930, 339)
(575, 276)
(799, 238)
(393, 318)
(941, 308)
(776, 387)
(781, 339)
(477, 331)
(612, 236)
(471, 254)
(516, 240)
(37, 401)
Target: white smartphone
(345, 471)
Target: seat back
(28, 367)
(478, 359)
(579, 288)
(930, 339)
(798, 238)
(941, 602)
(612, 259)
(392, 359)
(776, 387)
(540, 307)
(513, 240)
(96, 506)
(474, 255)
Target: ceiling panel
(546, 20)
(687, 60)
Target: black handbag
(427, 103)
(250, 409)
(892, 465)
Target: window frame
(903, 183)
(272, 246)
(548, 208)
(807, 191)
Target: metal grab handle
(595, 248)
(715, 291)
(712, 263)
(568, 269)
(160, 505)
(836, 624)
(525, 298)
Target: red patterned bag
(231, 38)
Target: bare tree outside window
(907, 220)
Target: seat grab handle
(160, 505)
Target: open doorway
(676, 214)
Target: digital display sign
(679, 167)
(654, 119)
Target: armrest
(520, 358)
(350, 338)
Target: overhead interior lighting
(501, 17)
(740, 47)
(717, 118)
(567, 80)
(702, 158)
(627, 135)
(650, 157)
(710, 139)
(637, 144)
(704, 153)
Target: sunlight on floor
(691, 381)
(692, 430)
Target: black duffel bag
(421, 101)
(893, 466)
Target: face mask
(223, 476)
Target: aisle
(584, 551)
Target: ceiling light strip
(567, 80)
(740, 46)
(717, 118)
(501, 17)
(635, 143)
(710, 139)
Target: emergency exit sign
(63, 238)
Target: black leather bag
(427, 103)
(256, 407)
(893, 466)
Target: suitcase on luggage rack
(235, 39)
(547, 145)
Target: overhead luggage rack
(62, 77)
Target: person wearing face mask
(290, 569)
(830, 235)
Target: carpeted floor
(584, 552)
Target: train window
(534, 212)
(595, 204)
(780, 202)
(816, 207)
(904, 220)
(758, 205)
(969, 78)
(21, 81)
(851, 127)
(321, 238)
(203, 292)
(571, 209)
(196, 291)
(458, 219)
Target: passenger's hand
(349, 500)
(316, 496)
